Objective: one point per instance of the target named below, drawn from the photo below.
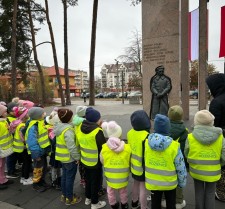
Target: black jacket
(216, 84)
(88, 127)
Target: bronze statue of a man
(160, 86)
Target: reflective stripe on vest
(116, 166)
(6, 139)
(62, 153)
(135, 139)
(88, 147)
(160, 172)
(18, 144)
(204, 159)
(42, 137)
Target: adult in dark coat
(216, 84)
(160, 86)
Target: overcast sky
(116, 21)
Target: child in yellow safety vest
(37, 142)
(164, 164)
(136, 138)
(91, 139)
(205, 152)
(6, 143)
(68, 153)
(19, 143)
(115, 157)
(179, 133)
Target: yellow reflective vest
(62, 153)
(116, 166)
(88, 147)
(43, 139)
(135, 139)
(18, 144)
(204, 160)
(160, 171)
(11, 119)
(6, 138)
(77, 130)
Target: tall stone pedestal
(160, 33)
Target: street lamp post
(122, 87)
(117, 75)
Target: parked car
(134, 93)
(99, 95)
(111, 95)
(124, 94)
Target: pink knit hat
(27, 104)
(20, 112)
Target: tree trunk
(68, 101)
(13, 51)
(92, 54)
(54, 54)
(43, 96)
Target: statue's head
(160, 70)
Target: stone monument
(160, 39)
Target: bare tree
(13, 49)
(65, 5)
(54, 53)
(133, 53)
(135, 2)
(92, 54)
(42, 80)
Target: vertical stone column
(160, 39)
(185, 85)
(203, 55)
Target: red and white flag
(193, 35)
(222, 33)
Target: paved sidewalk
(19, 196)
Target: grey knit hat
(35, 113)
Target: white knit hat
(204, 117)
(81, 110)
(53, 118)
(112, 129)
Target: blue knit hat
(92, 115)
(140, 121)
(162, 125)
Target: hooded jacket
(140, 122)
(179, 131)
(115, 144)
(87, 127)
(206, 135)
(216, 84)
(69, 137)
(159, 143)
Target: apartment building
(111, 76)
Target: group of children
(156, 157)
